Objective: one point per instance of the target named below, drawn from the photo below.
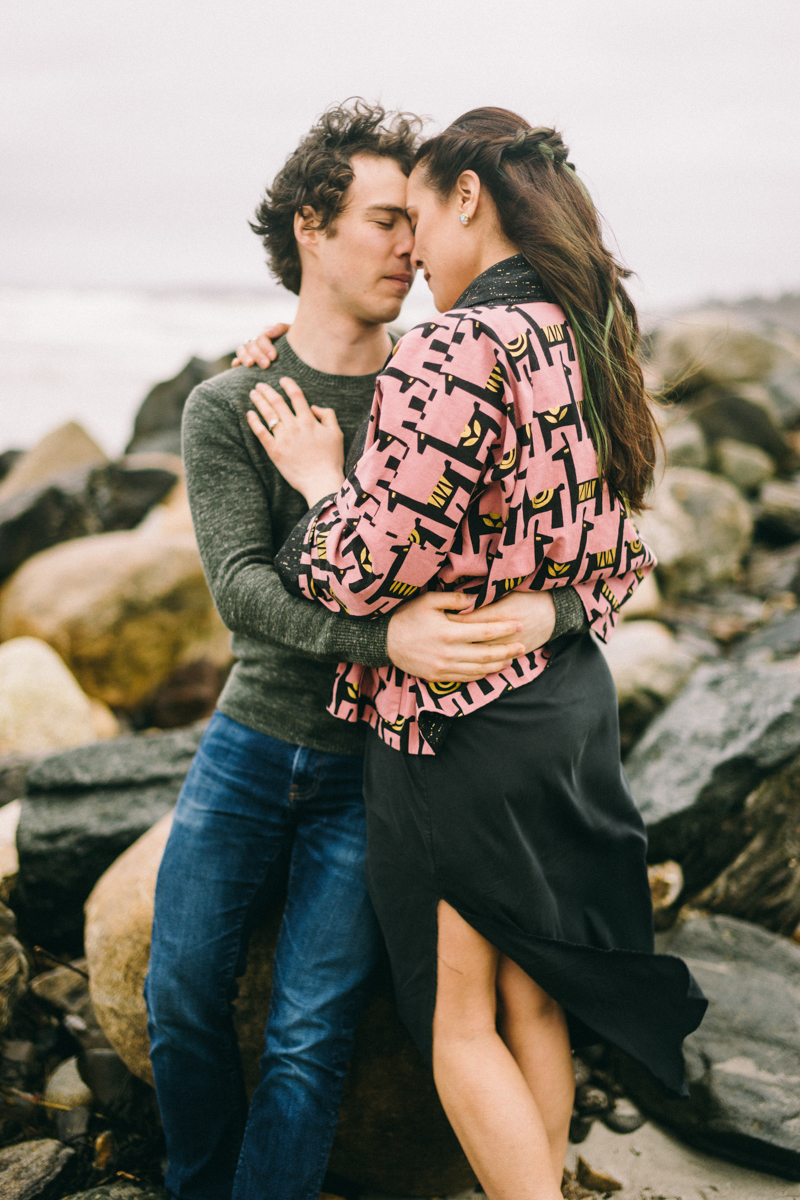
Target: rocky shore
(111, 659)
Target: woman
(506, 445)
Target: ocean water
(91, 355)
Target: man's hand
(534, 613)
(260, 352)
(423, 640)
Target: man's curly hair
(319, 172)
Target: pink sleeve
(386, 534)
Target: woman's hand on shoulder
(260, 351)
(306, 445)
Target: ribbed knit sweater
(243, 510)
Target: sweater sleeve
(231, 515)
(385, 535)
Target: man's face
(365, 259)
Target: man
(275, 789)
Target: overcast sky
(136, 137)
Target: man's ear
(306, 227)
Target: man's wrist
(570, 613)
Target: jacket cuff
(570, 613)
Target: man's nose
(405, 245)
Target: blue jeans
(251, 808)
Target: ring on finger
(271, 424)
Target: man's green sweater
(243, 510)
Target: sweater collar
(512, 281)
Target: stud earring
(464, 219)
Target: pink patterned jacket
(478, 475)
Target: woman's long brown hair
(546, 211)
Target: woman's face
(445, 250)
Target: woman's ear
(468, 193)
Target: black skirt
(523, 822)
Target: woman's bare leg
(534, 1028)
(483, 1091)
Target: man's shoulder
(229, 390)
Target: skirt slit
(523, 822)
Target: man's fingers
(490, 631)
(467, 673)
(481, 655)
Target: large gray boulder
(763, 883)
(29, 1167)
(158, 421)
(745, 414)
(699, 527)
(743, 1063)
(690, 774)
(84, 500)
(82, 810)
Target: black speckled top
(512, 281)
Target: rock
(27, 1168)
(763, 883)
(17, 1063)
(62, 450)
(393, 1136)
(772, 572)
(685, 444)
(13, 977)
(122, 609)
(66, 1088)
(645, 601)
(582, 1070)
(596, 1181)
(745, 466)
(590, 1101)
(83, 501)
(173, 515)
(708, 347)
(690, 774)
(779, 639)
(580, 1127)
(67, 993)
(189, 694)
(9, 860)
(745, 415)
(624, 1117)
(13, 773)
(699, 527)
(778, 512)
(649, 665)
(120, 1190)
(82, 810)
(666, 884)
(42, 707)
(7, 460)
(105, 1074)
(158, 421)
(743, 1063)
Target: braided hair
(545, 210)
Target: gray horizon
(138, 140)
